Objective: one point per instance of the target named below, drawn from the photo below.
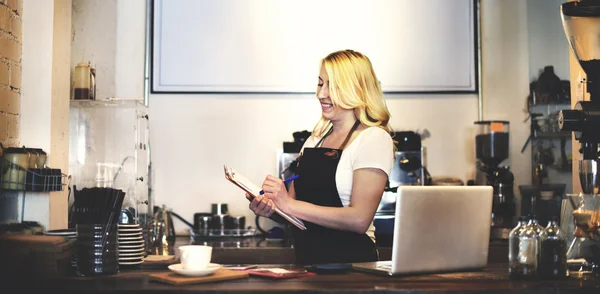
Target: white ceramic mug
(195, 256)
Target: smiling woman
(343, 166)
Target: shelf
(551, 104)
(553, 135)
(109, 103)
(14, 177)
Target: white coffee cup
(195, 256)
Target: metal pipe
(147, 52)
(479, 63)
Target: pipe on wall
(147, 49)
(479, 62)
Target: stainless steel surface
(449, 228)
(588, 176)
(162, 226)
(401, 174)
(219, 208)
(283, 162)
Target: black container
(202, 221)
(97, 249)
(492, 142)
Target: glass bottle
(514, 267)
(81, 76)
(553, 254)
(538, 228)
(529, 249)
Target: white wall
(44, 100)
(94, 40)
(548, 45)
(192, 136)
(36, 99)
(545, 27)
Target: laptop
(438, 229)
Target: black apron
(317, 244)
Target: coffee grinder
(491, 149)
(581, 23)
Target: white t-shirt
(372, 148)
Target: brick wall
(10, 70)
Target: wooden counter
(493, 279)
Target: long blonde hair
(354, 85)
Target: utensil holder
(97, 249)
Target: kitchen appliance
(491, 149)
(108, 147)
(409, 166)
(584, 246)
(409, 169)
(544, 201)
(286, 160)
(581, 23)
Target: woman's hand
(274, 189)
(261, 205)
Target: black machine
(581, 21)
(492, 148)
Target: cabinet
(551, 152)
(109, 148)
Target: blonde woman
(343, 166)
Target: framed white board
(275, 46)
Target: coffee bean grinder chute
(491, 148)
(581, 23)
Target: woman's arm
(367, 189)
(263, 206)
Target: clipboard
(246, 185)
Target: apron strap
(354, 127)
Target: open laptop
(438, 229)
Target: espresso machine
(491, 149)
(286, 161)
(409, 168)
(581, 23)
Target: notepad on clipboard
(246, 185)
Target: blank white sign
(277, 45)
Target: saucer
(211, 269)
(131, 262)
(130, 238)
(133, 246)
(128, 225)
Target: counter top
(493, 279)
(257, 250)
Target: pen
(284, 182)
